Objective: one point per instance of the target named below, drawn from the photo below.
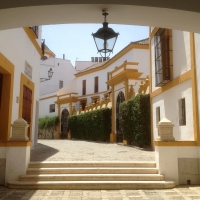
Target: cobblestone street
(75, 150)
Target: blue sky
(76, 41)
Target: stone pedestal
(19, 130)
(165, 130)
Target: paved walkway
(74, 150)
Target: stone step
(80, 164)
(90, 185)
(92, 177)
(93, 170)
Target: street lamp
(50, 74)
(105, 38)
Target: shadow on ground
(42, 152)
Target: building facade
(20, 55)
(126, 74)
(175, 99)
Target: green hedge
(48, 124)
(135, 120)
(94, 125)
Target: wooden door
(26, 106)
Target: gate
(120, 99)
(64, 123)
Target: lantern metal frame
(105, 33)
(50, 74)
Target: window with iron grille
(52, 108)
(108, 87)
(163, 56)
(60, 84)
(157, 115)
(96, 84)
(182, 112)
(84, 87)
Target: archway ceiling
(176, 14)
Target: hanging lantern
(105, 38)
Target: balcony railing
(124, 67)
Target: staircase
(91, 175)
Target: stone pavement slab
(182, 193)
(75, 150)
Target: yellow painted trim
(121, 77)
(126, 89)
(53, 96)
(58, 135)
(70, 108)
(67, 100)
(50, 53)
(122, 66)
(15, 143)
(178, 80)
(115, 58)
(176, 143)
(66, 94)
(28, 83)
(30, 33)
(92, 94)
(113, 135)
(150, 87)
(7, 69)
(152, 33)
(194, 89)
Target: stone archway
(119, 133)
(64, 123)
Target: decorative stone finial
(19, 130)
(165, 130)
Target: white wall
(18, 48)
(181, 55)
(181, 52)
(62, 70)
(135, 55)
(168, 103)
(44, 107)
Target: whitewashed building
(175, 68)
(124, 75)
(20, 54)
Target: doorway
(64, 123)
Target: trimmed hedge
(135, 120)
(94, 125)
(48, 124)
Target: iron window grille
(182, 112)
(163, 57)
(84, 87)
(60, 84)
(96, 84)
(52, 108)
(108, 77)
(157, 115)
